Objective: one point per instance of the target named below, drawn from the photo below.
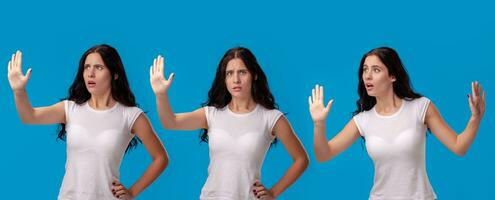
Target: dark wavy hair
(402, 85)
(120, 89)
(219, 96)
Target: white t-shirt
(238, 144)
(96, 142)
(396, 144)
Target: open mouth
(91, 84)
(368, 86)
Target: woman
(240, 120)
(393, 120)
(99, 120)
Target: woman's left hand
(261, 192)
(477, 100)
(120, 191)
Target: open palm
(317, 108)
(158, 82)
(477, 100)
(17, 80)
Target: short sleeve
(131, 115)
(68, 109)
(272, 118)
(359, 121)
(209, 110)
(422, 107)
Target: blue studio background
(444, 45)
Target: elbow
(320, 157)
(163, 162)
(461, 153)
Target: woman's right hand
(319, 112)
(158, 82)
(17, 80)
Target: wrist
(19, 92)
(319, 123)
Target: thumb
(171, 77)
(28, 73)
(329, 105)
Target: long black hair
(219, 96)
(402, 85)
(120, 89)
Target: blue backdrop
(444, 45)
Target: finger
(261, 194)
(28, 73)
(151, 71)
(116, 182)
(317, 92)
(9, 66)
(470, 101)
(12, 60)
(472, 89)
(329, 105)
(258, 189)
(120, 193)
(480, 90)
(483, 100)
(313, 95)
(155, 66)
(171, 78)
(322, 98)
(161, 65)
(19, 58)
(309, 101)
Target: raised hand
(17, 80)
(317, 108)
(477, 100)
(158, 82)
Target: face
(97, 77)
(238, 79)
(376, 77)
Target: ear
(256, 77)
(115, 77)
(393, 79)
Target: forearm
(321, 147)
(23, 106)
(167, 117)
(150, 175)
(292, 174)
(466, 138)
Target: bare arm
(169, 120)
(142, 128)
(459, 144)
(344, 139)
(42, 115)
(300, 159)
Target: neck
(388, 103)
(242, 105)
(101, 102)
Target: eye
(243, 72)
(376, 70)
(99, 67)
(86, 66)
(229, 73)
(365, 69)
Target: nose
(367, 75)
(236, 78)
(91, 72)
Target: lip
(369, 86)
(237, 88)
(91, 84)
